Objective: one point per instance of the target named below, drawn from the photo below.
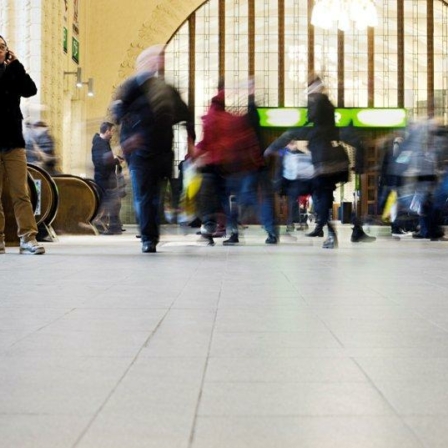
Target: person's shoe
(2, 247)
(435, 238)
(149, 247)
(331, 242)
(418, 236)
(209, 239)
(112, 232)
(399, 232)
(31, 247)
(359, 236)
(438, 234)
(271, 239)
(318, 231)
(290, 228)
(207, 230)
(232, 240)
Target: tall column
(21, 27)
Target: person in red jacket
(231, 160)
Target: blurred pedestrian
(231, 159)
(43, 145)
(294, 175)
(105, 175)
(421, 178)
(323, 143)
(391, 194)
(147, 108)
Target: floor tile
(211, 347)
(288, 399)
(303, 432)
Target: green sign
(75, 49)
(342, 117)
(65, 39)
(359, 117)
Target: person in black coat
(146, 109)
(323, 143)
(105, 164)
(14, 84)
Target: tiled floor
(253, 346)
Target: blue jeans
(247, 187)
(135, 194)
(147, 183)
(441, 193)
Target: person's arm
(23, 84)
(285, 139)
(127, 94)
(352, 137)
(183, 114)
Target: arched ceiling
(117, 35)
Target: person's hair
(148, 59)
(4, 40)
(105, 127)
(315, 83)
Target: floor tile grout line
(119, 381)
(39, 329)
(389, 404)
(132, 363)
(204, 373)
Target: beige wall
(116, 35)
(34, 34)
(112, 34)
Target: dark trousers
(323, 188)
(148, 180)
(252, 189)
(213, 197)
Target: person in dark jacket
(393, 165)
(323, 138)
(14, 84)
(105, 164)
(147, 108)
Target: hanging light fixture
(343, 12)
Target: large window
(224, 31)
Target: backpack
(165, 102)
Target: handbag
(335, 164)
